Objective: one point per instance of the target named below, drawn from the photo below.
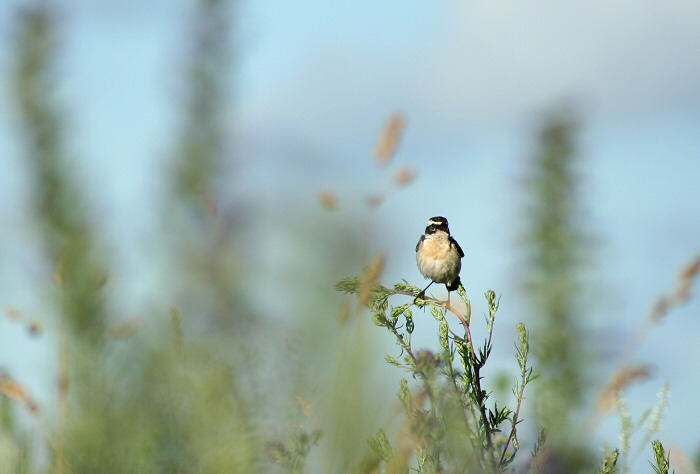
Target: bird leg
(421, 295)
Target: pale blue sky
(315, 80)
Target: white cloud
(484, 64)
(626, 57)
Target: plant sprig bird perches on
(453, 424)
(439, 256)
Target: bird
(439, 256)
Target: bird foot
(446, 304)
(421, 296)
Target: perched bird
(439, 256)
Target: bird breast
(438, 260)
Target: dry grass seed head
(691, 270)
(14, 391)
(622, 379)
(404, 176)
(328, 200)
(374, 200)
(686, 278)
(369, 278)
(389, 140)
(681, 292)
(344, 311)
(13, 314)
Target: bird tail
(454, 285)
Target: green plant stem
(459, 391)
(407, 347)
(480, 399)
(475, 367)
(516, 415)
(474, 363)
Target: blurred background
(161, 169)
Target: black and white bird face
(439, 222)
(438, 255)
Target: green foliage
(661, 462)
(59, 205)
(293, 452)
(348, 285)
(380, 445)
(537, 450)
(15, 448)
(449, 418)
(609, 462)
(148, 403)
(201, 144)
(556, 253)
(641, 430)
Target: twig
(515, 418)
(476, 366)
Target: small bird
(439, 256)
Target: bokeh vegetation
(208, 384)
(557, 257)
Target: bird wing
(459, 249)
(420, 241)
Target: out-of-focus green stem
(59, 205)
